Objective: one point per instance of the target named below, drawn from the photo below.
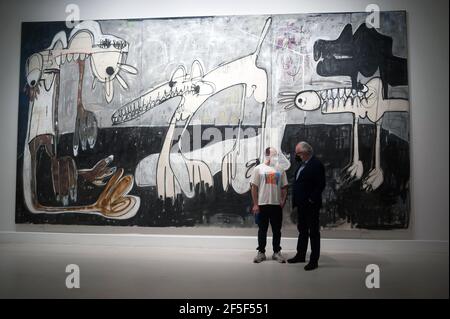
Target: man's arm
(319, 183)
(284, 191)
(255, 198)
(293, 191)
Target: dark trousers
(272, 214)
(308, 228)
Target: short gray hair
(308, 148)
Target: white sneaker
(279, 257)
(259, 257)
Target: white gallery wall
(428, 80)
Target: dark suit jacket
(310, 184)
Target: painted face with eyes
(307, 100)
(33, 69)
(108, 61)
(107, 54)
(304, 100)
(34, 75)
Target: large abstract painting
(160, 122)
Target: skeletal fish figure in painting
(365, 102)
(107, 55)
(176, 173)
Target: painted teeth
(145, 101)
(141, 105)
(333, 103)
(348, 102)
(69, 57)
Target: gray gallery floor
(37, 270)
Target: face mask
(272, 160)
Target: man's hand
(255, 208)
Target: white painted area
(211, 154)
(42, 113)
(428, 75)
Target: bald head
(304, 150)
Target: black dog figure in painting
(364, 52)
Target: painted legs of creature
(197, 172)
(229, 161)
(165, 178)
(232, 158)
(375, 177)
(86, 123)
(63, 171)
(34, 145)
(354, 170)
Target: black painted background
(386, 208)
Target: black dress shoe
(311, 266)
(296, 259)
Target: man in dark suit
(307, 198)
